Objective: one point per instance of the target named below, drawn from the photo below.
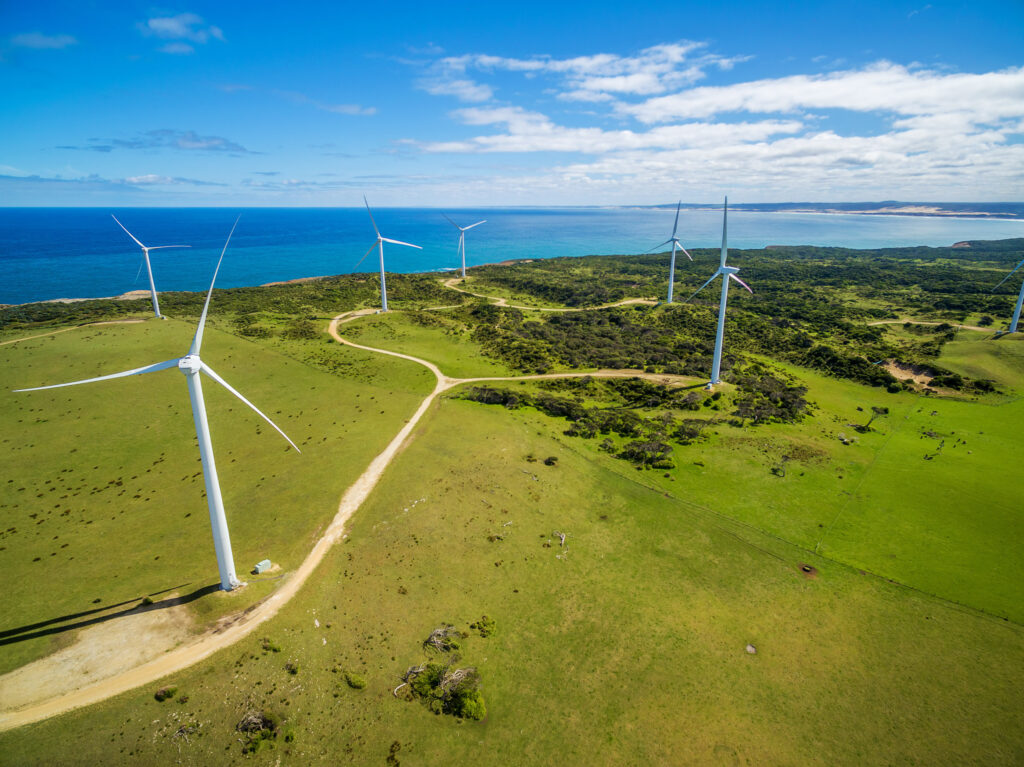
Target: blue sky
(526, 103)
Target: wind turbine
(379, 244)
(462, 239)
(1020, 298)
(726, 273)
(149, 269)
(675, 244)
(191, 365)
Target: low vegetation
(819, 534)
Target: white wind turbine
(379, 244)
(726, 273)
(1020, 299)
(462, 239)
(675, 244)
(191, 365)
(149, 269)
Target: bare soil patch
(99, 652)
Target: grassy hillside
(626, 645)
(103, 501)
(816, 563)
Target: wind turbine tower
(462, 239)
(149, 268)
(191, 365)
(726, 273)
(672, 263)
(1020, 299)
(379, 244)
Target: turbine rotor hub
(190, 364)
(728, 270)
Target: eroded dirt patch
(99, 652)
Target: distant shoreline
(976, 211)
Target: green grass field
(444, 343)
(103, 500)
(626, 647)
(629, 648)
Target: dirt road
(235, 628)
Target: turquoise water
(50, 253)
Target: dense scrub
(645, 415)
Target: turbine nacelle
(190, 364)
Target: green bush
(445, 690)
(485, 626)
(165, 693)
(354, 681)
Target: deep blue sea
(50, 253)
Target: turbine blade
(158, 247)
(1018, 266)
(452, 222)
(676, 224)
(399, 242)
(210, 372)
(741, 282)
(197, 342)
(142, 262)
(467, 228)
(364, 256)
(135, 372)
(127, 232)
(371, 216)
(698, 290)
(687, 253)
(660, 244)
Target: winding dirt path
(236, 627)
(451, 282)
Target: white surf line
(241, 625)
(65, 330)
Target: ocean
(48, 253)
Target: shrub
(485, 626)
(165, 693)
(447, 690)
(260, 729)
(354, 681)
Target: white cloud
(152, 179)
(178, 48)
(462, 89)
(184, 27)
(934, 133)
(341, 109)
(884, 86)
(534, 132)
(653, 70)
(40, 41)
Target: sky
(525, 103)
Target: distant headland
(1005, 210)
